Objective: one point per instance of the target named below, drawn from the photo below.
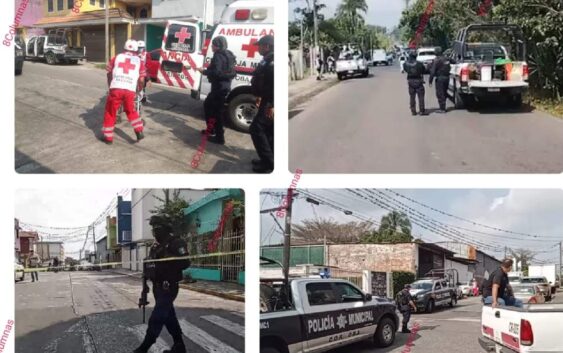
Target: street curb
(214, 293)
(299, 99)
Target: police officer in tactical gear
(406, 305)
(164, 276)
(262, 127)
(441, 71)
(415, 77)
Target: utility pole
(301, 63)
(560, 263)
(106, 4)
(315, 30)
(94, 237)
(287, 235)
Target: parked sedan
(541, 283)
(529, 294)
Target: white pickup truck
(534, 328)
(352, 65)
(494, 69)
(317, 315)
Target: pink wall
(33, 12)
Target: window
(103, 3)
(143, 13)
(438, 286)
(50, 5)
(93, 2)
(347, 293)
(60, 5)
(70, 4)
(321, 294)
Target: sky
(65, 208)
(533, 212)
(380, 12)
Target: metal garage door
(93, 38)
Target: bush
(400, 278)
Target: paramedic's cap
(266, 40)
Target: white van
(185, 47)
(379, 56)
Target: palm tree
(395, 222)
(349, 14)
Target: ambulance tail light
(242, 14)
(526, 333)
(259, 14)
(525, 72)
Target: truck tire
(453, 300)
(384, 336)
(459, 101)
(340, 76)
(430, 306)
(365, 73)
(516, 101)
(51, 58)
(242, 110)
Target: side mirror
(367, 297)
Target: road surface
(365, 126)
(59, 113)
(96, 312)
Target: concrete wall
(485, 266)
(373, 257)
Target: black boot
(144, 347)
(220, 140)
(405, 330)
(140, 135)
(178, 347)
(257, 162)
(414, 113)
(209, 132)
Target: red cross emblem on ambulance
(183, 35)
(251, 48)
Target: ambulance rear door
(180, 56)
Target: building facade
(27, 243)
(48, 250)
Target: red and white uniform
(126, 70)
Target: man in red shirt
(126, 74)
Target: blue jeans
(511, 301)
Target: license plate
(493, 89)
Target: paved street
(87, 312)
(365, 126)
(59, 114)
(444, 331)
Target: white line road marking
(237, 314)
(140, 331)
(226, 324)
(204, 340)
(462, 319)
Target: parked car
(317, 315)
(19, 273)
(529, 294)
(379, 56)
(19, 48)
(542, 283)
(428, 293)
(467, 289)
(426, 56)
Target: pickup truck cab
(426, 56)
(533, 328)
(54, 48)
(317, 315)
(488, 69)
(186, 47)
(428, 293)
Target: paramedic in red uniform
(126, 74)
(220, 72)
(142, 50)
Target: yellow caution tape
(189, 257)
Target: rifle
(143, 302)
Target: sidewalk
(303, 90)
(226, 290)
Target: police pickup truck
(428, 293)
(316, 315)
(533, 328)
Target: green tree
(350, 18)
(315, 231)
(395, 227)
(172, 208)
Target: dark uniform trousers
(262, 133)
(406, 318)
(213, 107)
(442, 90)
(416, 88)
(163, 313)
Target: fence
(352, 276)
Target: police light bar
(242, 14)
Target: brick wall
(374, 257)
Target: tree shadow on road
(24, 164)
(121, 331)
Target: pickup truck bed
(533, 328)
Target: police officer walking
(441, 71)
(415, 77)
(262, 127)
(164, 276)
(220, 73)
(406, 306)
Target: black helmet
(438, 51)
(161, 226)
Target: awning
(89, 18)
(217, 195)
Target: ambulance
(186, 46)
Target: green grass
(100, 66)
(549, 105)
